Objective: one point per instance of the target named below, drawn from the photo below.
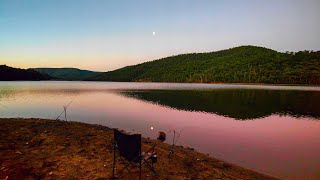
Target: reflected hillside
(239, 104)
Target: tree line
(15, 74)
(244, 64)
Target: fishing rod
(65, 110)
(175, 138)
(178, 136)
(174, 141)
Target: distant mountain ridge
(16, 74)
(244, 64)
(66, 73)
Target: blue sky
(105, 35)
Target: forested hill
(244, 64)
(15, 74)
(66, 73)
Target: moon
(153, 33)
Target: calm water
(271, 129)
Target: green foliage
(66, 73)
(242, 104)
(244, 64)
(16, 74)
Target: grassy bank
(47, 149)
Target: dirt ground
(48, 149)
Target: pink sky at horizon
(107, 35)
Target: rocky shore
(48, 149)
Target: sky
(104, 35)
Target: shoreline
(260, 84)
(222, 83)
(48, 149)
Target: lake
(270, 129)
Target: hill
(15, 74)
(244, 64)
(66, 73)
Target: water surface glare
(271, 129)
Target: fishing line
(178, 136)
(175, 137)
(174, 141)
(65, 108)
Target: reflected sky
(275, 143)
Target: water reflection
(241, 104)
(278, 144)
